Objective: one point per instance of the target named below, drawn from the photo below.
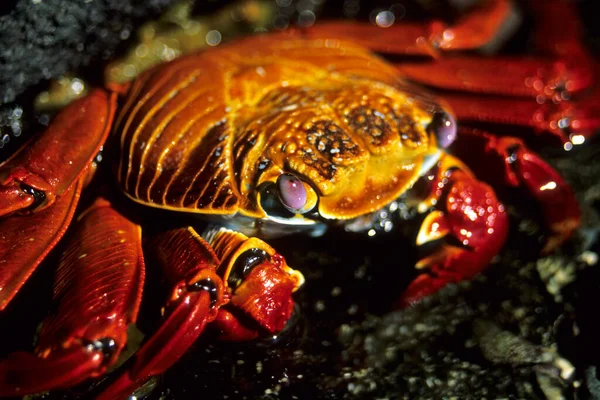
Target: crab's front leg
(238, 284)
(507, 161)
(465, 223)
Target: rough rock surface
(40, 39)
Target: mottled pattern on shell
(202, 133)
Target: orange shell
(200, 134)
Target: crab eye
(443, 126)
(244, 264)
(291, 192)
(270, 202)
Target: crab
(289, 132)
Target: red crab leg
(475, 29)
(98, 288)
(42, 173)
(564, 121)
(189, 264)
(26, 240)
(558, 29)
(48, 166)
(470, 223)
(530, 77)
(261, 297)
(508, 161)
(562, 60)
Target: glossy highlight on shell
(244, 113)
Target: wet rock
(40, 40)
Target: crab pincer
(239, 285)
(511, 164)
(465, 222)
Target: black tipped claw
(38, 196)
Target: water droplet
(213, 38)
(385, 19)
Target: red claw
(200, 297)
(266, 294)
(471, 225)
(507, 161)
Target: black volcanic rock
(43, 39)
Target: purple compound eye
(291, 192)
(443, 127)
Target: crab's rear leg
(554, 90)
(465, 223)
(571, 122)
(544, 95)
(475, 29)
(98, 291)
(40, 186)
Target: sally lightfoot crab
(275, 134)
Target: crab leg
(200, 296)
(26, 240)
(556, 89)
(468, 226)
(98, 289)
(476, 29)
(562, 62)
(189, 265)
(571, 121)
(50, 171)
(531, 77)
(508, 161)
(47, 167)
